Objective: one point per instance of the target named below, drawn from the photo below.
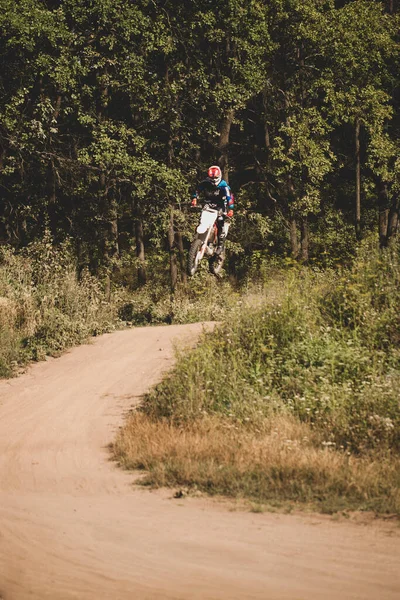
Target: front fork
(205, 238)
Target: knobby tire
(194, 249)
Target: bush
(203, 298)
(294, 398)
(322, 347)
(44, 308)
(367, 298)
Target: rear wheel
(216, 263)
(194, 256)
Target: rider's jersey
(219, 196)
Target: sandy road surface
(72, 526)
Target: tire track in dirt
(72, 525)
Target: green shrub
(44, 307)
(314, 349)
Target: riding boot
(220, 248)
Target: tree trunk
(79, 257)
(174, 239)
(173, 264)
(108, 202)
(102, 208)
(267, 139)
(111, 243)
(113, 229)
(182, 257)
(383, 205)
(383, 226)
(51, 211)
(170, 151)
(358, 180)
(294, 244)
(172, 235)
(390, 6)
(223, 143)
(57, 107)
(140, 253)
(51, 208)
(393, 220)
(2, 157)
(304, 239)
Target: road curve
(73, 526)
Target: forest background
(110, 113)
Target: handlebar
(207, 206)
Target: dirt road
(72, 525)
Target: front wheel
(194, 257)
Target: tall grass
(281, 463)
(201, 298)
(44, 307)
(317, 349)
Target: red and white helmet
(214, 175)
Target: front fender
(207, 219)
(202, 228)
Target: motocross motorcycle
(206, 242)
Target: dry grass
(286, 461)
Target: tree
(358, 45)
(300, 155)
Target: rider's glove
(194, 201)
(229, 214)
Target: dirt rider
(215, 192)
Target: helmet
(214, 175)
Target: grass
(44, 307)
(296, 399)
(277, 465)
(203, 298)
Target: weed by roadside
(293, 358)
(203, 298)
(278, 465)
(44, 307)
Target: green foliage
(323, 347)
(204, 298)
(366, 300)
(110, 111)
(302, 152)
(44, 308)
